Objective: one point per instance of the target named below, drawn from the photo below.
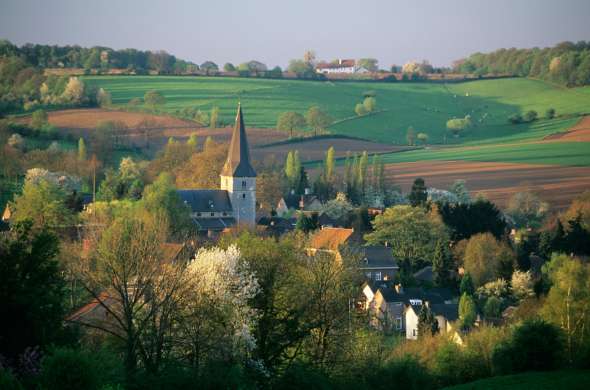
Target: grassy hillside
(534, 380)
(425, 106)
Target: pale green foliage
(457, 125)
(568, 301)
(492, 307)
(103, 98)
(39, 119)
(43, 203)
(293, 168)
(410, 136)
(329, 164)
(458, 188)
(208, 143)
(74, 91)
(317, 119)
(214, 117)
(486, 258)
(154, 98)
(16, 141)
(369, 64)
(65, 182)
(338, 208)
(192, 141)
(522, 285)
(411, 232)
(360, 109)
(497, 288)
(370, 103)
(289, 121)
(202, 118)
(422, 137)
(82, 153)
(527, 209)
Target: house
(445, 314)
(340, 67)
(275, 226)
(293, 202)
(329, 240)
(378, 263)
(235, 202)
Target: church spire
(238, 156)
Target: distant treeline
(98, 57)
(566, 63)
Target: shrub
(515, 119)
(301, 376)
(530, 116)
(360, 109)
(550, 113)
(9, 381)
(406, 373)
(455, 365)
(39, 119)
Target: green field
(425, 106)
(532, 380)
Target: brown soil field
(580, 132)
(315, 149)
(557, 185)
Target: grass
(574, 379)
(558, 153)
(425, 106)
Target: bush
(455, 365)
(406, 373)
(39, 119)
(301, 376)
(9, 381)
(535, 345)
(530, 116)
(515, 119)
(550, 113)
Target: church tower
(238, 177)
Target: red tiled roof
(330, 238)
(102, 297)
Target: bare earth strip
(558, 185)
(578, 133)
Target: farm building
(342, 66)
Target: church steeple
(238, 156)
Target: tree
(527, 209)
(39, 119)
(209, 66)
(229, 67)
(369, 64)
(31, 289)
(338, 208)
(467, 312)
(103, 98)
(442, 266)
(410, 136)
(192, 141)
(427, 322)
(550, 113)
(530, 116)
(422, 137)
(74, 91)
(214, 117)
(154, 99)
(289, 121)
(82, 153)
(492, 308)
(522, 285)
(360, 109)
(466, 219)
(486, 259)
(329, 164)
(567, 302)
(418, 195)
(129, 268)
(461, 192)
(300, 67)
(466, 286)
(457, 125)
(410, 232)
(43, 203)
(305, 223)
(317, 119)
(370, 103)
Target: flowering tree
(217, 318)
(522, 285)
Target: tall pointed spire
(238, 156)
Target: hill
(572, 380)
(425, 106)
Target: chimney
(399, 289)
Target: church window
(243, 183)
(243, 196)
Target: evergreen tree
(418, 194)
(577, 239)
(466, 286)
(82, 153)
(558, 242)
(296, 169)
(303, 181)
(441, 265)
(467, 313)
(427, 323)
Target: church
(235, 202)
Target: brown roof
(170, 251)
(330, 238)
(238, 156)
(104, 298)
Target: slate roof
(425, 274)
(206, 201)
(434, 295)
(218, 224)
(238, 155)
(449, 311)
(377, 257)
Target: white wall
(411, 323)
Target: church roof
(238, 156)
(204, 201)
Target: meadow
(424, 106)
(570, 379)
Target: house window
(414, 332)
(212, 214)
(398, 323)
(198, 214)
(378, 276)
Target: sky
(275, 31)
